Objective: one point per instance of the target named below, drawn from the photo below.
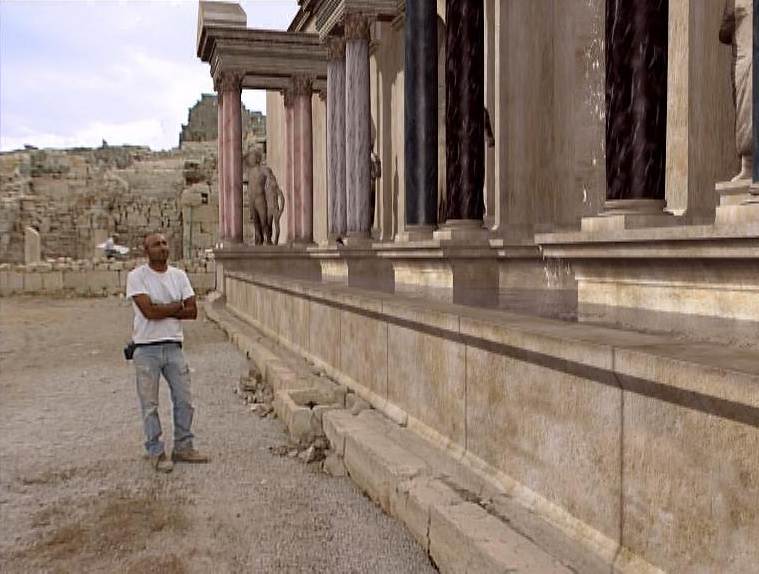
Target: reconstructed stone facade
(577, 318)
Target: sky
(76, 72)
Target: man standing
(162, 297)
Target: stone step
(463, 521)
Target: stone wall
(89, 278)
(77, 198)
(639, 447)
(202, 123)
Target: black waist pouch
(129, 350)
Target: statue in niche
(275, 205)
(375, 173)
(266, 199)
(737, 31)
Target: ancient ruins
(58, 205)
(567, 308)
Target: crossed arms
(186, 309)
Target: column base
(620, 214)
(738, 202)
(358, 239)
(462, 230)
(415, 233)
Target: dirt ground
(77, 495)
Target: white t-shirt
(167, 287)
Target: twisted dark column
(421, 112)
(755, 97)
(636, 98)
(464, 109)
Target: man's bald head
(156, 248)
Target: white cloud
(140, 132)
(73, 73)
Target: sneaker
(160, 463)
(189, 455)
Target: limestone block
(102, 281)
(32, 246)
(76, 281)
(32, 282)
(52, 281)
(709, 487)
(465, 538)
(324, 332)
(437, 367)
(553, 432)
(363, 351)
(11, 282)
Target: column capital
(323, 95)
(335, 48)
(302, 85)
(228, 81)
(357, 27)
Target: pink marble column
(304, 202)
(291, 179)
(357, 126)
(231, 85)
(220, 164)
(337, 222)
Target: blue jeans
(152, 362)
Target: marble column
(420, 116)
(357, 126)
(336, 199)
(221, 189)
(465, 110)
(290, 163)
(302, 90)
(636, 101)
(231, 86)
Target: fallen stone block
(464, 537)
(376, 464)
(333, 465)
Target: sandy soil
(77, 495)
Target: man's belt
(156, 343)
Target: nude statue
(275, 205)
(257, 176)
(737, 30)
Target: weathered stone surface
(32, 249)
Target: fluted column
(231, 86)
(465, 110)
(302, 90)
(357, 126)
(636, 102)
(420, 140)
(221, 189)
(336, 174)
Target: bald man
(162, 298)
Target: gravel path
(76, 494)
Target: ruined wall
(202, 123)
(76, 198)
